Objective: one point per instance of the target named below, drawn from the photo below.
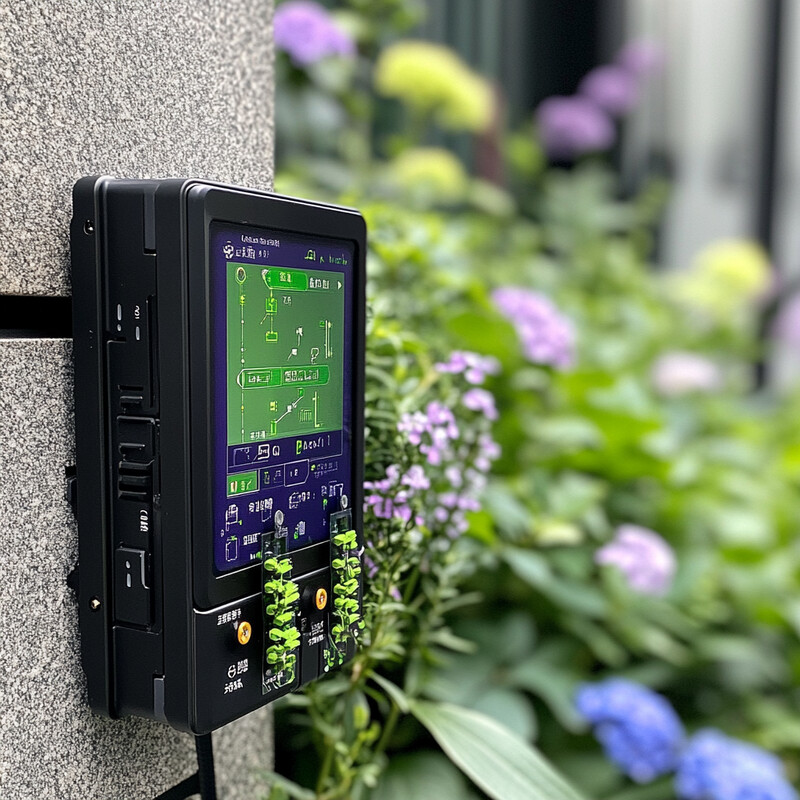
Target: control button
(244, 632)
(321, 598)
(132, 601)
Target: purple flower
(416, 479)
(642, 57)
(474, 366)
(369, 564)
(482, 401)
(572, 126)
(488, 447)
(716, 767)
(645, 559)
(431, 432)
(307, 32)
(611, 88)
(387, 499)
(639, 730)
(547, 336)
(678, 373)
(787, 324)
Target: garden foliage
(574, 490)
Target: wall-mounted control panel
(219, 400)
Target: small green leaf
(498, 762)
(394, 692)
(290, 788)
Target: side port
(134, 481)
(136, 444)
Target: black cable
(205, 766)
(187, 788)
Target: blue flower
(716, 767)
(639, 729)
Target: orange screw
(244, 632)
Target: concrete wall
(132, 88)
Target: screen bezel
(207, 205)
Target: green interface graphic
(285, 351)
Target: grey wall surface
(132, 88)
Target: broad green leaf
(511, 709)
(420, 775)
(498, 762)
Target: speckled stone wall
(131, 88)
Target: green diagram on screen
(285, 330)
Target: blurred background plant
(582, 495)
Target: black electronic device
(219, 385)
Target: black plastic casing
(143, 405)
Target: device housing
(163, 631)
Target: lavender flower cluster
(582, 123)
(643, 736)
(547, 336)
(456, 453)
(306, 31)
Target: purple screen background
(302, 495)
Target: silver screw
(94, 603)
(344, 501)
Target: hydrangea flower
(307, 32)
(727, 276)
(677, 373)
(642, 57)
(547, 336)
(431, 173)
(611, 88)
(716, 767)
(573, 126)
(645, 559)
(786, 327)
(431, 78)
(475, 367)
(639, 729)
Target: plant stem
(325, 770)
(388, 730)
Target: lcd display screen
(282, 339)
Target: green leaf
(422, 774)
(397, 695)
(511, 709)
(554, 684)
(575, 596)
(499, 763)
(289, 788)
